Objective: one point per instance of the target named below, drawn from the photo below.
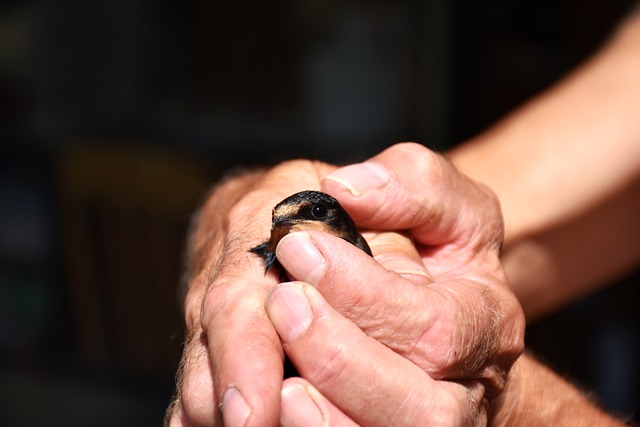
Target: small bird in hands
(308, 210)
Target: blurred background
(117, 115)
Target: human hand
(260, 351)
(359, 380)
(450, 312)
(374, 386)
(351, 379)
(232, 354)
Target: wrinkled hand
(449, 311)
(351, 379)
(232, 355)
(444, 308)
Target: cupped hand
(351, 379)
(467, 325)
(447, 307)
(471, 322)
(232, 358)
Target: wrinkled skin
(423, 333)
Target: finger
(422, 323)
(396, 252)
(304, 406)
(244, 350)
(195, 402)
(235, 367)
(410, 187)
(366, 380)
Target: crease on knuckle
(437, 348)
(218, 298)
(331, 369)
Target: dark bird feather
(308, 210)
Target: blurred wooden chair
(124, 215)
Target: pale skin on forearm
(553, 268)
(570, 156)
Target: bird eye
(319, 211)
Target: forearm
(567, 149)
(553, 268)
(566, 169)
(535, 395)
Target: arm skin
(566, 168)
(458, 336)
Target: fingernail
(289, 311)
(361, 177)
(300, 256)
(299, 408)
(235, 410)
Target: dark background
(117, 115)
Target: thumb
(409, 187)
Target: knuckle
(411, 148)
(219, 298)
(440, 348)
(330, 368)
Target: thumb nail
(360, 177)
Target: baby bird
(308, 210)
